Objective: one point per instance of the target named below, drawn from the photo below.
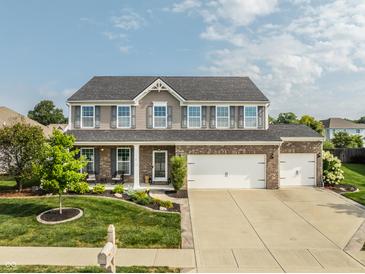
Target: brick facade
(145, 162)
(271, 152)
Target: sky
(307, 56)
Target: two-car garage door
(249, 170)
(226, 171)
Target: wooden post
(106, 257)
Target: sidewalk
(70, 256)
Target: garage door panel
(297, 169)
(226, 171)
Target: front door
(159, 171)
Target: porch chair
(91, 177)
(118, 177)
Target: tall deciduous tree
(21, 149)
(46, 113)
(361, 120)
(312, 123)
(61, 168)
(286, 118)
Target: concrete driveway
(288, 230)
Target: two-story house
(334, 125)
(134, 125)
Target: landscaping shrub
(328, 145)
(178, 171)
(118, 189)
(141, 197)
(80, 188)
(166, 204)
(99, 189)
(332, 172)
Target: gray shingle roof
(274, 133)
(341, 124)
(188, 87)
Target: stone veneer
(306, 147)
(271, 152)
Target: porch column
(136, 167)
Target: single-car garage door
(297, 169)
(226, 171)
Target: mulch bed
(177, 194)
(341, 188)
(155, 206)
(55, 216)
(25, 192)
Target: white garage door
(226, 171)
(297, 169)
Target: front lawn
(135, 227)
(355, 175)
(84, 269)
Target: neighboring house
(134, 125)
(333, 125)
(10, 117)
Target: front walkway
(288, 230)
(181, 258)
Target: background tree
(46, 113)
(328, 145)
(344, 140)
(287, 118)
(272, 120)
(61, 168)
(312, 123)
(361, 120)
(21, 149)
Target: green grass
(84, 269)
(135, 227)
(7, 184)
(355, 175)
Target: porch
(136, 166)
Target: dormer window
(159, 115)
(124, 117)
(222, 116)
(194, 116)
(250, 116)
(87, 116)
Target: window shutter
(169, 116)
(113, 156)
(97, 116)
(241, 116)
(113, 117)
(212, 117)
(184, 117)
(97, 160)
(77, 116)
(204, 116)
(149, 117)
(261, 116)
(232, 118)
(132, 161)
(133, 116)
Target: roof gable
(189, 88)
(158, 85)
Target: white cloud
(128, 20)
(124, 49)
(185, 5)
(288, 58)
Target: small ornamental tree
(332, 172)
(61, 169)
(178, 171)
(21, 149)
(345, 140)
(328, 145)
